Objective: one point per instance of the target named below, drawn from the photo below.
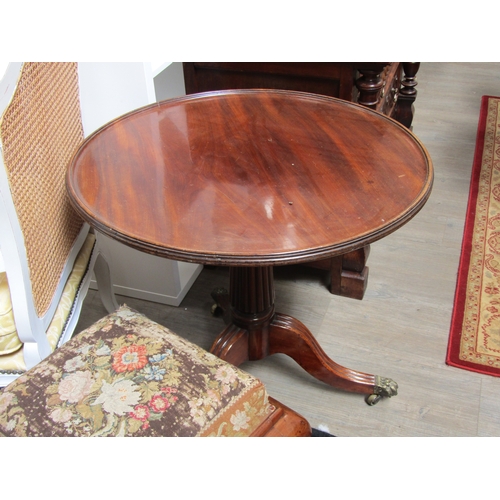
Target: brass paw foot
(384, 387)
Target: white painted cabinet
(108, 90)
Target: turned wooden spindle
(407, 94)
(370, 84)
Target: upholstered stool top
(129, 376)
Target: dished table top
(250, 177)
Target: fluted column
(251, 293)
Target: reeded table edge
(296, 257)
(271, 259)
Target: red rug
(474, 342)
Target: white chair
(48, 252)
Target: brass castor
(383, 387)
(216, 310)
(373, 399)
(221, 304)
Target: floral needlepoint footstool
(129, 376)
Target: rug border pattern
(477, 299)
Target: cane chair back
(45, 245)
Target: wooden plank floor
(400, 329)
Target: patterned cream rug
(475, 328)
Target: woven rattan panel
(40, 131)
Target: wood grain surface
(250, 177)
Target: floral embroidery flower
(194, 403)
(213, 396)
(75, 386)
(45, 370)
(239, 420)
(73, 364)
(168, 390)
(198, 416)
(84, 349)
(225, 374)
(153, 372)
(12, 424)
(119, 397)
(158, 403)
(197, 412)
(103, 351)
(5, 400)
(61, 415)
(140, 412)
(130, 358)
(125, 313)
(158, 357)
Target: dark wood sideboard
(388, 88)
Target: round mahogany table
(253, 179)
